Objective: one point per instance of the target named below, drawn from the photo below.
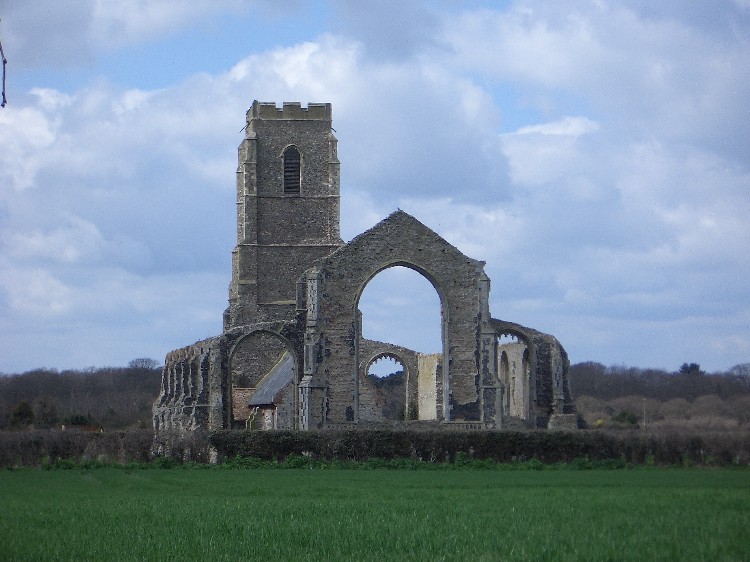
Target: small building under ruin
(292, 355)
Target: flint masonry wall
(400, 239)
(182, 410)
(549, 397)
(280, 234)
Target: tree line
(111, 397)
(688, 382)
(122, 397)
(687, 399)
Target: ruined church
(292, 355)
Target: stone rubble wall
(182, 408)
(549, 381)
(402, 240)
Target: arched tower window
(292, 171)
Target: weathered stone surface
(429, 384)
(280, 234)
(295, 290)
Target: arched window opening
(383, 393)
(292, 171)
(401, 307)
(514, 373)
(384, 367)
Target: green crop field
(295, 514)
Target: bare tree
(144, 363)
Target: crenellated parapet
(289, 111)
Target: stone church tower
(287, 208)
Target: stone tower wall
(280, 234)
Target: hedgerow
(497, 446)
(402, 448)
(37, 448)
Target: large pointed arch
(338, 281)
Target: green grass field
(194, 514)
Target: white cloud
(51, 100)
(71, 243)
(485, 232)
(663, 75)
(567, 126)
(126, 21)
(34, 293)
(26, 133)
(547, 152)
(131, 101)
(49, 33)
(390, 30)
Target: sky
(595, 154)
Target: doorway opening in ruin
(263, 371)
(401, 307)
(514, 371)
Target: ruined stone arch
(528, 369)
(363, 347)
(252, 359)
(368, 361)
(550, 402)
(293, 276)
(341, 277)
(383, 399)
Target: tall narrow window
(292, 170)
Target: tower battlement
(290, 111)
